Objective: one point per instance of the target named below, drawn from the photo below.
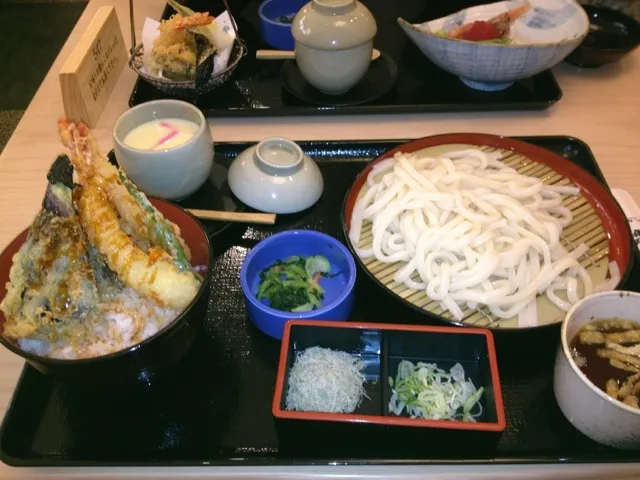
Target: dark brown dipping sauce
(597, 369)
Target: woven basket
(186, 87)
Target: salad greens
(292, 285)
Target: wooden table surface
(601, 107)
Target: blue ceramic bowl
(543, 37)
(339, 291)
(275, 32)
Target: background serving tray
(255, 89)
(215, 408)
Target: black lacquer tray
(255, 89)
(215, 408)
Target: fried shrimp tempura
(91, 165)
(151, 274)
(198, 19)
(144, 249)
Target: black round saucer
(214, 194)
(379, 79)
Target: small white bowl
(173, 173)
(545, 35)
(593, 412)
(276, 176)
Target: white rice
(127, 320)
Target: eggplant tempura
(101, 268)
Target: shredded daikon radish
(471, 232)
(325, 380)
(427, 391)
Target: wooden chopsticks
(241, 217)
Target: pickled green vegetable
(292, 285)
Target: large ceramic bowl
(143, 362)
(586, 406)
(339, 287)
(172, 173)
(543, 37)
(276, 176)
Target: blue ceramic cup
(275, 32)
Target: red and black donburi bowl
(142, 363)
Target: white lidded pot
(276, 176)
(333, 43)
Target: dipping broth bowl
(588, 408)
(174, 172)
(339, 287)
(612, 36)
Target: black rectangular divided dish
(215, 408)
(372, 426)
(255, 89)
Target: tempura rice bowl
(141, 341)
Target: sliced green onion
(426, 391)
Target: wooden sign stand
(91, 72)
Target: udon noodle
(471, 232)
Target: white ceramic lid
(276, 176)
(333, 24)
